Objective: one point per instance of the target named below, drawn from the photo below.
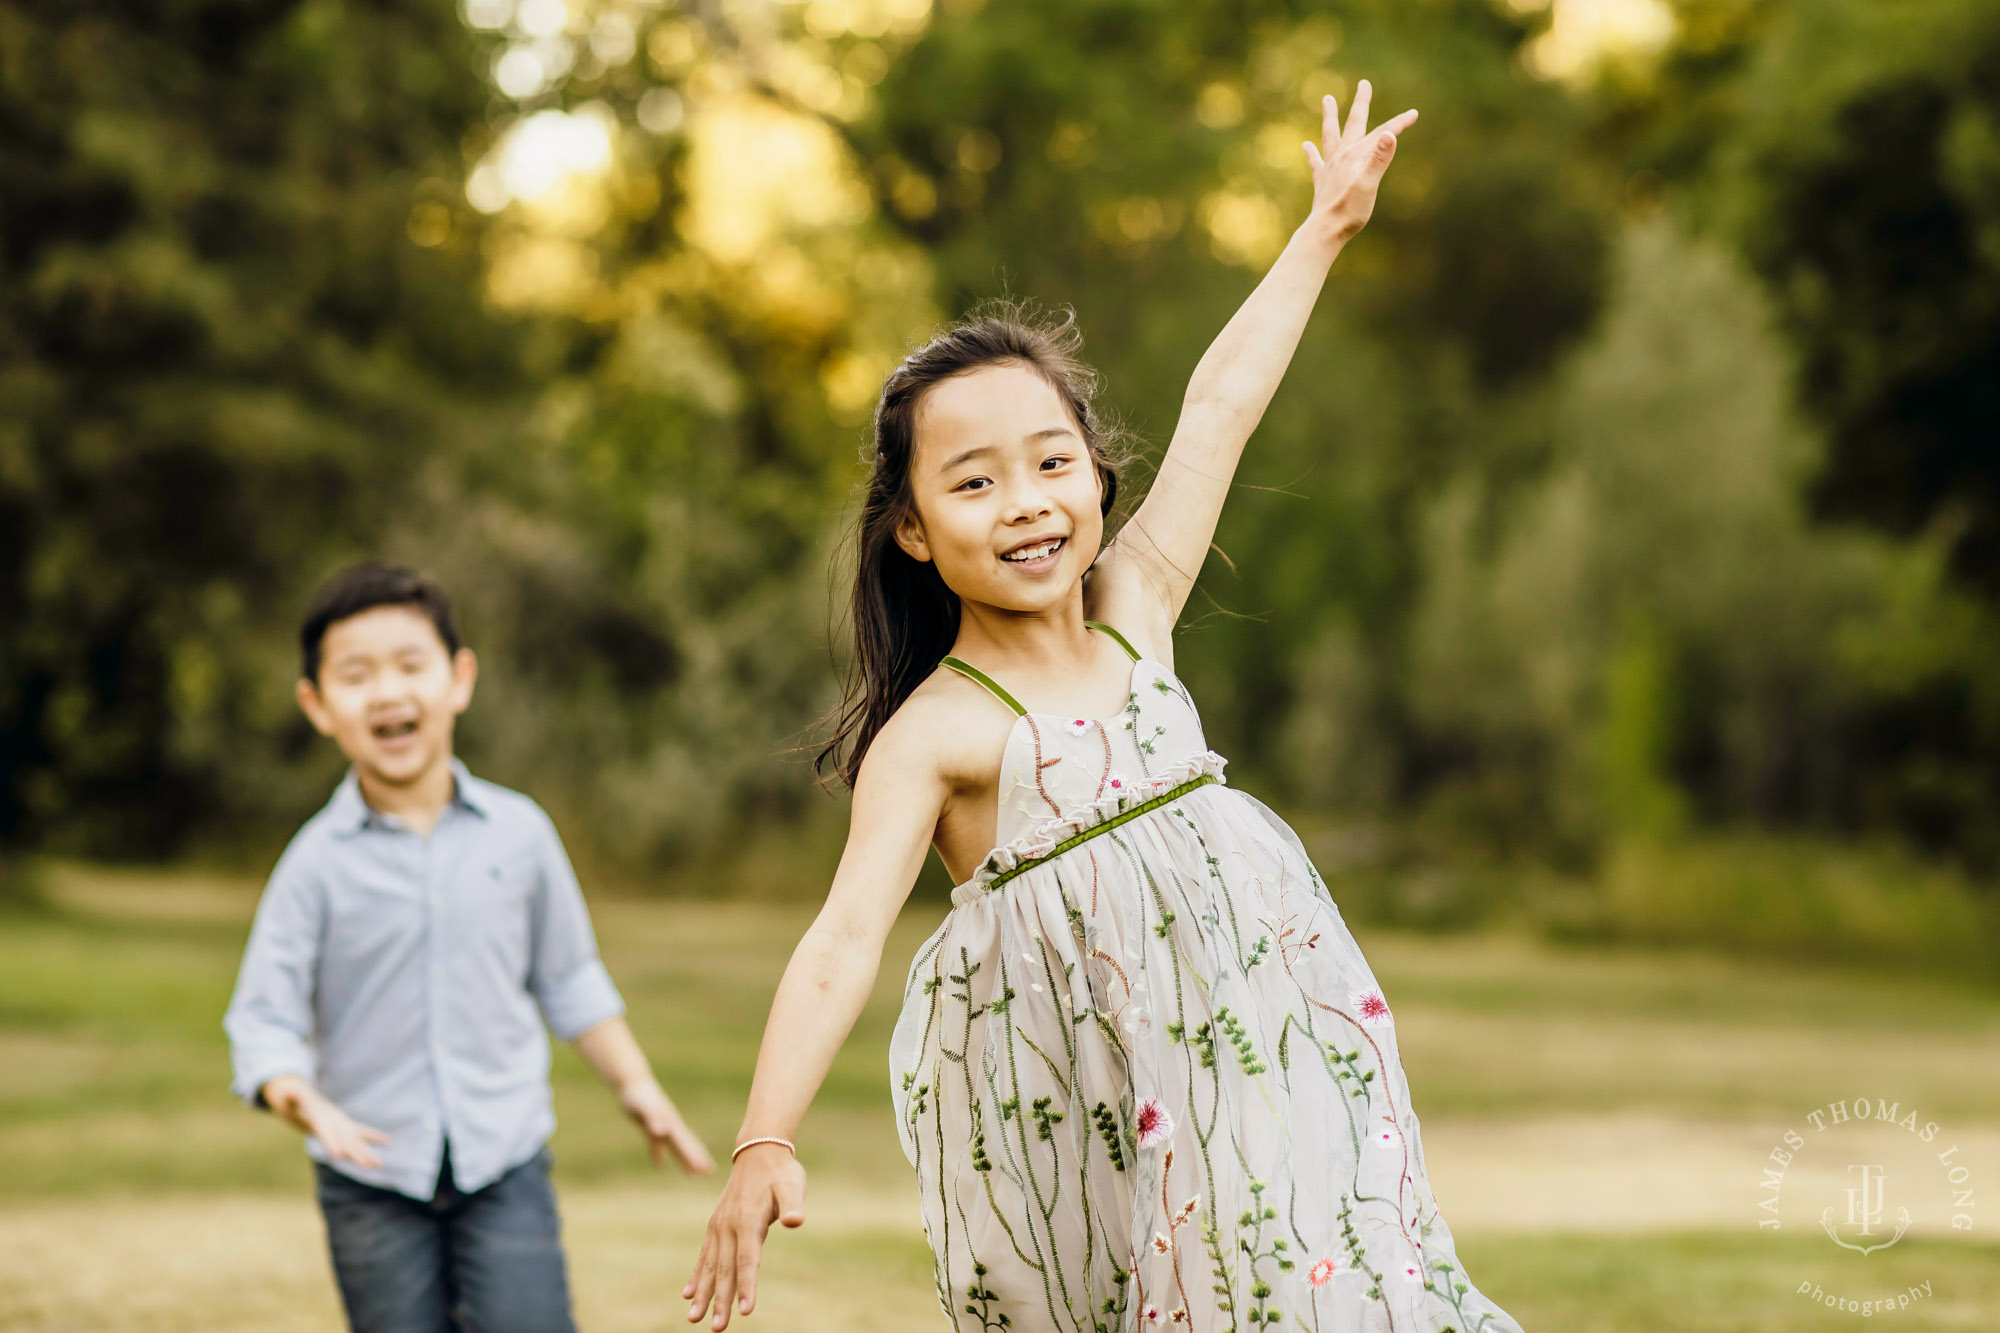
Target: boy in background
(413, 940)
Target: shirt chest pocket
(497, 903)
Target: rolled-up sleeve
(270, 1017)
(567, 978)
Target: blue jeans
(486, 1262)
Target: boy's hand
(766, 1185)
(650, 1107)
(1347, 164)
(346, 1139)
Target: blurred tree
(1140, 161)
(1870, 184)
(1847, 151)
(1655, 630)
(238, 309)
(584, 305)
(1643, 630)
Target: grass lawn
(1594, 1121)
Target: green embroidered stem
(1124, 817)
(1253, 1220)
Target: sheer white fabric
(1143, 1071)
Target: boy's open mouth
(389, 731)
(1041, 550)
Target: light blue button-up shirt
(402, 975)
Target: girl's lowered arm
(898, 797)
(1167, 540)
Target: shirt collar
(467, 791)
(351, 812)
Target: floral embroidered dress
(1143, 1071)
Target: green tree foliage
(1654, 629)
(1140, 162)
(1520, 550)
(1651, 616)
(1870, 188)
(222, 356)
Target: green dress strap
(973, 673)
(1123, 642)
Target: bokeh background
(1611, 596)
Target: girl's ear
(910, 536)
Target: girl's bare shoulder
(951, 726)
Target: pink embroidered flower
(1320, 1273)
(1411, 1272)
(1370, 1005)
(1151, 1314)
(1076, 726)
(1155, 1126)
(1386, 1137)
(1115, 782)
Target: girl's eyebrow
(977, 451)
(965, 457)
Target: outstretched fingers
(1397, 124)
(749, 1255)
(687, 1146)
(1334, 137)
(1384, 151)
(1357, 112)
(352, 1141)
(725, 1279)
(707, 1278)
(703, 1282)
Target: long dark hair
(904, 619)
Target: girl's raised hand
(1347, 163)
(766, 1185)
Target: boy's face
(1007, 496)
(389, 692)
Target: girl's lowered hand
(766, 1185)
(1347, 163)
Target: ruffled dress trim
(1056, 835)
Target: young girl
(1143, 1071)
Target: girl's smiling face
(1007, 499)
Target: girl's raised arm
(1162, 548)
(898, 797)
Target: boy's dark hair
(903, 616)
(363, 587)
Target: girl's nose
(1026, 502)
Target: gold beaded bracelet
(751, 1143)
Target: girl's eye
(974, 483)
(1057, 461)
